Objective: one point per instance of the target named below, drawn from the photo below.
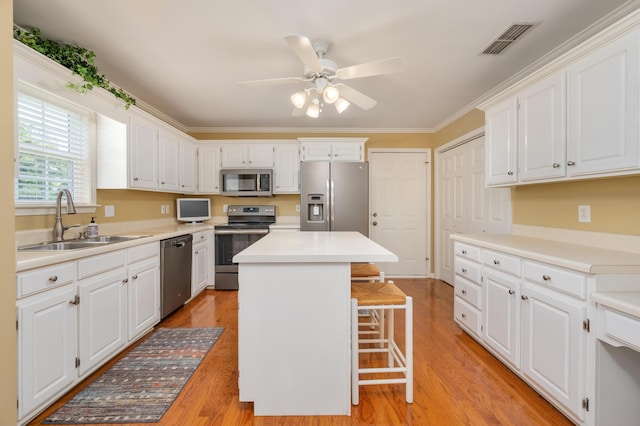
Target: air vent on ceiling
(507, 38)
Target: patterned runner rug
(141, 387)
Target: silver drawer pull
(556, 165)
(496, 262)
(464, 252)
(464, 270)
(126, 280)
(464, 315)
(135, 277)
(53, 279)
(523, 297)
(464, 291)
(571, 163)
(512, 292)
(510, 173)
(546, 277)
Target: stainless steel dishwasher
(175, 272)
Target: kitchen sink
(80, 243)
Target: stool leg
(408, 333)
(390, 337)
(355, 375)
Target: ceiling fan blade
(355, 97)
(367, 69)
(271, 81)
(305, 51)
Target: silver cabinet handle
(126, 280)
(510, 173)
(135, 277)
(496, 262)
(53, 279)
(523, 297)
(464, 315)
(464, 270)
(546, 277)
(375, 223)
(135, 179)
(464, 252)
(464, 291)
(375, 215)
(571, 163)
(556, 165)
(512, 292)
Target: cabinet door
(234, 156)
(347, 152)
(144, 297)
(501, 143)
(200, 267)
(541, 129)
(554, 344)
(260, 156)
(316, 152)
(47, 346)
(603, 109)
(501, 313)
(287, 169)
(102, 328)
(209, 169)
(187, 166)
(169, 160)
(143, 153)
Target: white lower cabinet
(530, 315)
(66, 331)
(553, 344)
(102, 325)
(202, 271)
(47, 346)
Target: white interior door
(400, 205)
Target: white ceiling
(185, 58)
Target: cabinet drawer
(142, 252)
(467, 269)
(45, 278)
(200, 236)
(468, 291)
(622, 328)
(468, 252)
(467, 315)
(102, 263)
(502, 262)
(558, 279)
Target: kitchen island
(294, 320)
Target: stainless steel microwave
(246, 182)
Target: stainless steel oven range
(245, 225)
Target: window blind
(54, 152)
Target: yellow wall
(8, 373)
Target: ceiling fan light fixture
(330, 94)
(341, 104)
(313, 110)
(299, 99)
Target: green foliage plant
(77, 59)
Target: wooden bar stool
(384, 297)
(366, 272)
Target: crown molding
(299, 130)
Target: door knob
(375, 223)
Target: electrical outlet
(584, 213)
(162, 209)
(109, 211)
(167, 208)
(297, 208)
(225, 208)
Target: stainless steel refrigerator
(334, 196)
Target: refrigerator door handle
(332, 207)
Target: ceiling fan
(323, 73)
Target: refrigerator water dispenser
(315, 212)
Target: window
(54, 143)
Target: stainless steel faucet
(59, 228)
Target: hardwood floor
(457, 382)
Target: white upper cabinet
(603, 109)
(500, 145)
(287, 169)
(143, 152)
(541, 129)
(188, 166)
(169, 157)
(209, 169)
(579, 120)
(332, 149)
(247, 156)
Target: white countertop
(314, 247)
(587, 259)
(34, 259)
(623, 301)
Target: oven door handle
(240, 231)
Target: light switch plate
(584, 213)
(109, 211)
